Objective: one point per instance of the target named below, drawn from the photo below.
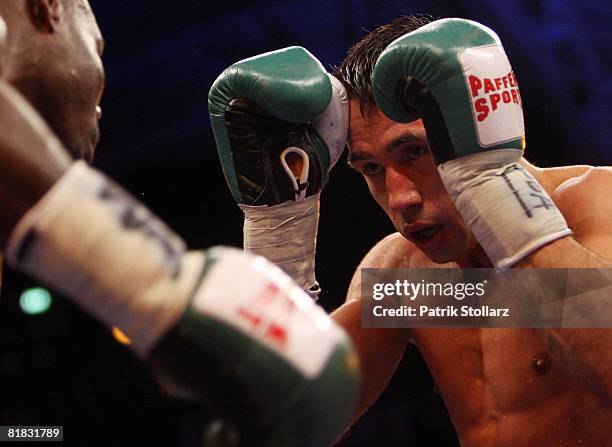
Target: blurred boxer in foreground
(191, 315)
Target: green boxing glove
(455, 75)
(280, 123)
(275, 368)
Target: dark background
(161, 58)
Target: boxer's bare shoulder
(392, 252)
(584, 198)
(580, 190)
(588, 191)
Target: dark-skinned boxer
(229, 329)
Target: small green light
(35, 301)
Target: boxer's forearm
(564, 253)
(567, 253)
(379, 351)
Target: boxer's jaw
(81, 83)
(395, 161)
(55, 62)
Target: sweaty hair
(355, 71)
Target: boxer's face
(67, 86)
(396, 163)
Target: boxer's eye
(371, 169)
(415, 151)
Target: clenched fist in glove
(280, 123)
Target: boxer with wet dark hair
(512, 386)
(436, 130)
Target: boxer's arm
(32, 158)
(568, 253)
(379, 350)
(585, 353)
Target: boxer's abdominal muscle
(502, 388)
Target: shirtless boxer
(503, 387)
(225, 328)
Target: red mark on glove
(254, 320)
(266, 311)
(277, 334)
(490, 93)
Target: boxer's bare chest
(494, 371)
(502, 387)
(485, 374)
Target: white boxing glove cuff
(91, 241)
(332, 125)
(508, 211)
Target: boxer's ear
(44, 14)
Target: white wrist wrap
(508, 211)
(286, 235)
(90, 240)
